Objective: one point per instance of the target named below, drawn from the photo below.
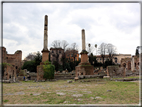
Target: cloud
(116, 23)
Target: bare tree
(102, 50)
(56, 44)
(111, 50)
(64, 44)
(30, 57)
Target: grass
(121, 92)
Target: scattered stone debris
(66, 101)
(17, 93)
(8, 94)
(108, 90)
(36, 94)
(92, 98)
(89, 92)
(101, 83)
(79, 99)
(77, 95)
(61, 93)
(98, 97)
(69, 81)
(20, 93)
(35, 86)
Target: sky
(115, 23)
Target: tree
(64, 44)
(38, 58)
(137, 51)
(102, 50)
(56, 44)
(32, 65)
(111, 50)
(74, 50)
(30, 56)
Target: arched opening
(115, 60)
(129, 65)
(124, 65)
(135, 64)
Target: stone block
(106, 77)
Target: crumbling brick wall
(15, 60)
(116, 71)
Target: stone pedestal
(45, 55)
(84, 67)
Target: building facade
(70, 54)
(116, 58)
(56, 54)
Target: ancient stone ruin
(45, 52)
(13, 64)
(84, 67)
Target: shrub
(22, 73)
(48, 69)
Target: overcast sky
(115, 23)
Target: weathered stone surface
(108, 90)
(83, 40)
(98, 97)
(92, 98)
(69, 81)
(60, 93)
(35, 94)
(77, 95)
(106, 77)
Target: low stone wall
(64, 76)
(89, 76)
(21, 78)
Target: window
(115, 60)
(52, 51)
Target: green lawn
(99, 91)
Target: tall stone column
(83, 40)
(46, 33)
(45, 52)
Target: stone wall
(15, 60)
(84, 69)
(40, 72)
(116, 71)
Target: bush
(22, 73)
(30, 66)
(48, 69)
